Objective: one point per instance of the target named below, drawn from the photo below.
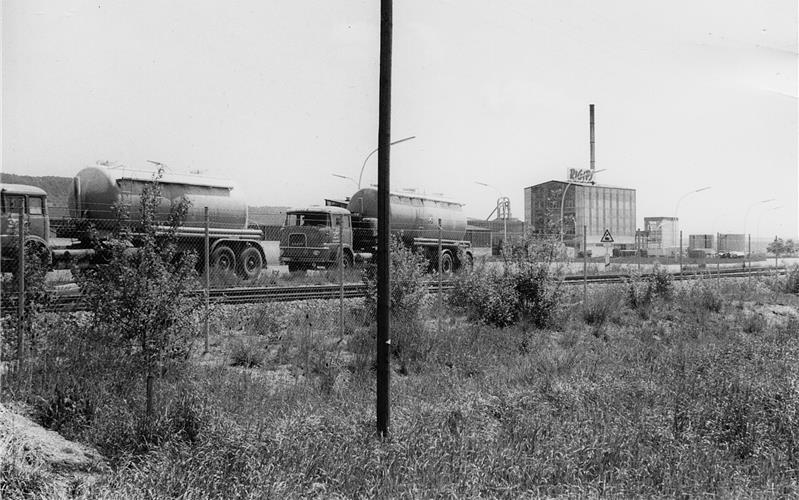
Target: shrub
(408, 287)
(602, 306)
(792, 280)
(486, 296)
(643, 289)
(539, 292)
(247, 353)
(705, 296)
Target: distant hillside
(58, 189)
(268, 216)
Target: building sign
(581, 175)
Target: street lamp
(677, 216)
(749, 209)
(501, 199)
(748, 249)
(760, 217)
(375, 151)
(345, 177)
(563, 200)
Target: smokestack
(591, 111)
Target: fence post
(718, 260)
(21, 296)
(440, 269)
(681, 251)
(207, 278)
(749, 255)
(341, 275)
(638, 250)
(585, 265)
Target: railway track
(251, 295)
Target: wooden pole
(384, 222)
(440, 276)
(21, 296)
(341, 276)
(207, 279)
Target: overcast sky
(278, 95)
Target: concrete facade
(596, 207)
(663, 235)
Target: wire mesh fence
(315, 273)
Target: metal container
(413, 215)
(98, 189)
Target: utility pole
(384, 223)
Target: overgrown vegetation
(108, 363)
(524, 288)
(653, 388)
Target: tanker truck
(97, 190)
(311, 235)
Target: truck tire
(223, 259)
(447, 263)
(250, 263)
(346, 262)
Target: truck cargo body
(101, 194)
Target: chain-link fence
(317, 271)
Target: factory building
(598, 208)
(701, 244)
(732, 243)
(662, 235)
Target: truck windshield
(307, 219)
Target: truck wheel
(446, 263)
(223, 259)
(250, 263)
(346, 262)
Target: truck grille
(297, 240)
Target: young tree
(138, 294)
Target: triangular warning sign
(606, 238)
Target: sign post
(607, 239)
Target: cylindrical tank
(97, 189)
(414, 215)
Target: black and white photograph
(399, 249)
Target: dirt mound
(29, 450)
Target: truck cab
(316, 236)
(32, 202)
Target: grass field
(693, 393)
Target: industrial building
(701, 244)
(598, 208)
(732, 243)
(662, 235)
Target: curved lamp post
(345, 177)
(677, 215)
(563, 200)
(375, 151)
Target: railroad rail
(251, 295)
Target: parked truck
(314, 236)
(98, 191)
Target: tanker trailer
(98, 191)
(415, 220)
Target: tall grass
(686, 401)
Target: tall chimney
(591, 111)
